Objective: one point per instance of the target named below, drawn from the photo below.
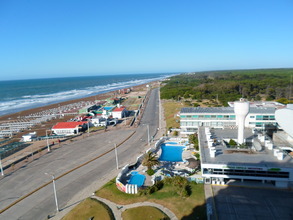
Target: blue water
(171, 153)
(18, 95)
(108, 108)
(137, 179)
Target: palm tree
(150, 160)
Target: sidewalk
(210, 203)
(118, 209)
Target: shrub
(232, 142)
(150, 172)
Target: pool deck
(174, 168)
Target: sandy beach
(40, 129)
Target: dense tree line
(267, 84)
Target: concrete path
(118, 209)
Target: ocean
(19, 95)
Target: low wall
(132, 188)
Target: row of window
(206, 123)
(263, 117)
(246, 173)
(208, 117)
(226, 117)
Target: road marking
(62, 175)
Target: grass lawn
(90, 208)
(184, 208)
(171, 108)
(147, 212)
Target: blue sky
(52, 38)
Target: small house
(119, 112)
(28, 137)
(69, 128)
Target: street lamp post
(116, 156)
(48, 146)
(88, 128)
(54, 189)
(2, 173)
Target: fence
(132, 188)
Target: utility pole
(2, 173)
(115, 146)
(54, 189)
(48, 146)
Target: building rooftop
(119, 109)
(264, 104)
(68, 125)
(227, 110)
(238, 157)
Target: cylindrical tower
(241, 109)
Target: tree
(181, 185)
(150, 160)
(232, 142)
(193, 139)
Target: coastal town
(213, 150)
(146, 110)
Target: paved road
(41, 204)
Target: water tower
(241, 109)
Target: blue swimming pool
(108, 108)
(137, 179)
(171, 153)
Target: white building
(119, 112)
(264, 161)
(224, 117)
(28, 137)
(68, 128)
(99, 121)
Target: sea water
(18, 95)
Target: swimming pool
(108, 108)
(171, 153)
(137, 179)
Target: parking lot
(252, 203)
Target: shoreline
(17, 115)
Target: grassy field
(192, 207)
(90, 208)
(171, 108)
(147, 212)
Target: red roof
(119, 109)
(73, 124)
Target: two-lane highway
(41, 204)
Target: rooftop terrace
(232, 156)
